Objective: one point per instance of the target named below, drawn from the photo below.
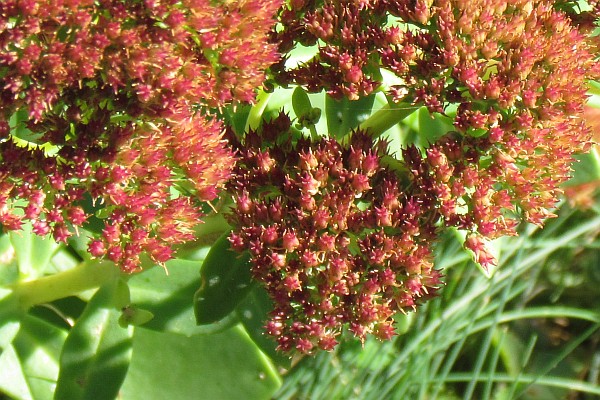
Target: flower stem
(86, 275)
(385, 118)
(256, 112)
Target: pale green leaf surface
(33, 252)
(38, 346)
(12, 379)
(223, 366)
(252, 313)
(345, 115)
(225, 281)
(300, 102)
(170, 298)
(9, 318)
(97, 351)
(62, 260)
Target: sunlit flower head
(331, 235)
(113, 100)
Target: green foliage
(101, 352)
(97, 351)
(30, 364)
(344, 115)
(31, 251)
(169, 298)
(252, 313)
(224, 365)
(225, 281)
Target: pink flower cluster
(332, 233)
(339, 235)
(511, 75)
(113, 98)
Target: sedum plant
(291, 166)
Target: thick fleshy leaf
(132, 315)
(10, 320)
(171, 298)
(301, 102)
(225, 281)
(37, 346)
(586, 169)
(12, 377)
(237, 119)
(226, 365)
(9, 271)
(33, 252)
(432, 127)
(425, 128)
(253, 312)
(97, 351)
(345, 115)
(18, 128)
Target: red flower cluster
(339, 237)
(111, 98)
(332, 235)
(514, 71)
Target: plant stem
(256, 112)
(87, 275)
(314, 135)
(385, 118)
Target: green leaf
(121, 297)
(61, 313)
(300, 102)
(385, 121)
(12, 378)
(135, 316)
(9, 270)
(300, 54)
(63, 260)
(33, 252)
(9, 318)
(94, 209)
(30, 352)
(432, 127)
(19, 130)
(226, 365)
(586, 169)
(256, 114)
(170, 298)
(253, 312)
(225, 281)
(237, 116)
(477, 132)
(97, 351)
(38, 346)
(425, 128)
(307, 115)
(345, 115)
